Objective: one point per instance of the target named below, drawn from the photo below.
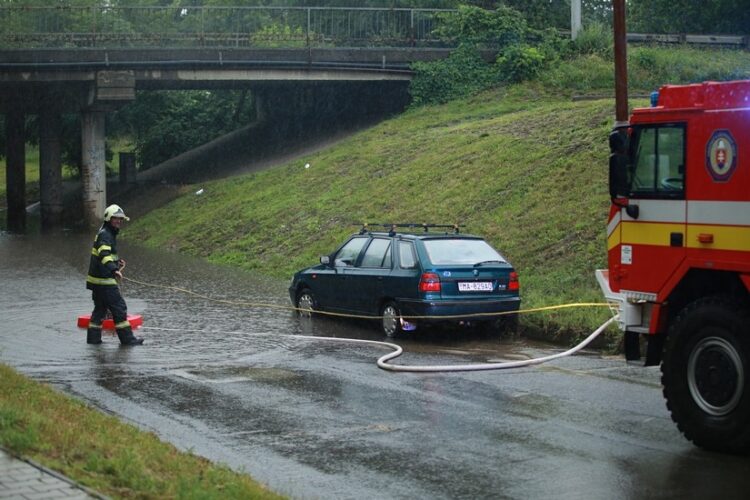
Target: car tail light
(429, 282)
(513, 283)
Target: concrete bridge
(49, 82)
(56, 60)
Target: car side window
(348, 254)
(388, 260)
(406, 255)
(375, 255)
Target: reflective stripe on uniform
(96, 251)
(100, 281)
(95, 325)
(122, 324)
(108, 258)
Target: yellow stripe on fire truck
(658, 219)
(715, 237)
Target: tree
(688, 16)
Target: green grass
(648, 69)
(524, 166)
(102, 453)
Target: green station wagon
(412, 278)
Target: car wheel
(705, 374)
(306, 302)
(391, 321)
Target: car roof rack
(391, 227)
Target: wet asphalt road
(320, 420)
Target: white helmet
(114, 211)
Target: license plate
(474, 286)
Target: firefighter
(105, 268)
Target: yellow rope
(361, 316)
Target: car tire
(705, 374)
(306, 302)
(391, 320)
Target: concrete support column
(50, 166)
(575, 18)
(15, 171)
(93, 173)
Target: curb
(55, 474)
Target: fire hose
(383, 361)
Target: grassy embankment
(524, 166)
(104, 454)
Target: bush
(595, 39)
(519, 63)
(461, 74)
(480, 27)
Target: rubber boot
(94, 336)
(127, 338)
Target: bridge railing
(215, 26)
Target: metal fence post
(203, 26)
(307, 33)
(411, 27)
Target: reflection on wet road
(318, 420)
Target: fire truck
(678, 241)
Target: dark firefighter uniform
(102, 282)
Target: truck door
(653, 240)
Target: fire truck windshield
(657, 161)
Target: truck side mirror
(325, 260)
(618, 162)
(618, 175)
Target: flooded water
(240, 386)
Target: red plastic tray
(136, 321)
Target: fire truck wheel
(705, 374)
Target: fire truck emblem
(721, 155)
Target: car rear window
(460, 251)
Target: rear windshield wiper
(488, 262)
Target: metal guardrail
(102, 26)
(213, 26)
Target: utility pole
(575, 18)
(621, 64)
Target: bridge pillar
(50, 165)
(93, 173)
(15, 171)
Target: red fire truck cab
(678, 242)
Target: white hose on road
(504, 365)
(382, 362)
